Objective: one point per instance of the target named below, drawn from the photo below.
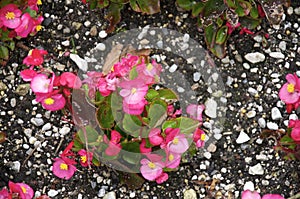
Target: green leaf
(95, 162)
(185, 4)
(231, 4)
(131, 152)
(91, 135)
(222, 35)
(113, 16)
(254, 12)
(167, 94)
(249, 22)
(11, 45)
(198, 8)
(151, 94)
(104, 114)
(187, 125)
(120, 1)
(240, 11)
(145, 6)
(219, 21)
(132, 125)
(133, 73)
(157, 113)
(214, 8)
(32, 13)
(209, 33)
(132, 180)
(219, 50)
(4, 53)
(170, 124)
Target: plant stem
(295, 196)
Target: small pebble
(102, 34)
(255, 57)
(52, 193)
(110, 195)
(256, 170)
(211, 108)
(277, 55)
(189, 194)
(272, 126)
(262, 122)
(173, 68)
(242, 138)
(249, 186)
(275, 114)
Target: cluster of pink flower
(21, 22)
(52, 92)
(63, 167)
(19, 190)
(247, 194)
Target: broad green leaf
(185, 4)
(231, 4)
(4, 53)
(11, 45)
(113, 16)
(219, 50)
(104, 114)
(95, 162)
(222, 35)
(197, 8)
(249, 22)
(214, 8)
(246, 6)
(240, 11)
(32, 13)
(170, 124)
(151, 94)
(219, 21)
(254, 12)
(90, 133)
(145, 6)
(157, 113)
(187, 125)
(210, 33)
(167, 94)
(131, 152)
(132, 125)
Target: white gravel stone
(282, 45)
(251, 114)
(101, 47)
(190, 194)
(102, 34)
(64, 130)
(132, 194)
(196, 76)
(207, 154)
(290, 10)
(275, 114)
(110, 195)
(66, 43)
(52, 193)
(256, 170)
(13, 102)
(242, 138)
(173, 68)
(211, 108)
(246, 66)
(272, 126)
(277, 55)
(249, 186)
(262, 122)
(32, 140)
(81, 63)
(46, 127)
(37, 121)
(293, 117)
(255, 57)
(16, 165)
(87, 23)
(186, 37)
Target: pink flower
(195, 111)
(289, 92)
(41, 84)
(10, 16)
(37, 25)
(162, 178)
(143, 148)
(51, 102)
(133, 91)
(149, 72)
(199, 137)
(155, 137)
(28, 74)
(175, 142)
(114, 145)
(64, 167)
(85, 157)
(35, 57)
(32, 4)
(171, 113)
(70, 80)
(134, 109)
(123, 67)
(255, 195)
(172, 160)
(152, 168)
(26, 25)
(4, 193)
(24, 191)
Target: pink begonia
(41, 84)
(10, 16)
(172, 112)
(172, 160)
(133, 91)
(4, 193)
(134, 109)
(85, 157)
(70, 80)
(64, 167)
(114, 145)
(37, 25)
(125, 65)
(162, 178)
(175, 142)
(195, 111)
(149, 72)
(92, 82)
(24, 191)
(155, 137)
(199, 137)
(26, 26)
(33, 4)
(103, 87)
(143, 148)
(28, 74)
(295, 134)
(50, 102)
(35, 57)
(247, 194)
(289, 92)
(152, 168)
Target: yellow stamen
(149, 67)
(39, 2)
(10, 15)
(175, 141)
(63, 166)
(49, 101)
(24, 189)
(38, 27)
(202, 137)
(151, 165)
(133, 90)
(171, 157)
(291, 88)
(30, 52)
(83, 158)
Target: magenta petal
(295, 134)
(272, 196)
(162, 178)
(28, 74)
(150, 174)
(287, 97)
(59, 102)
(40, 84)
(291, 78)
(250, 195)
(65, 174)
(12, 23)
